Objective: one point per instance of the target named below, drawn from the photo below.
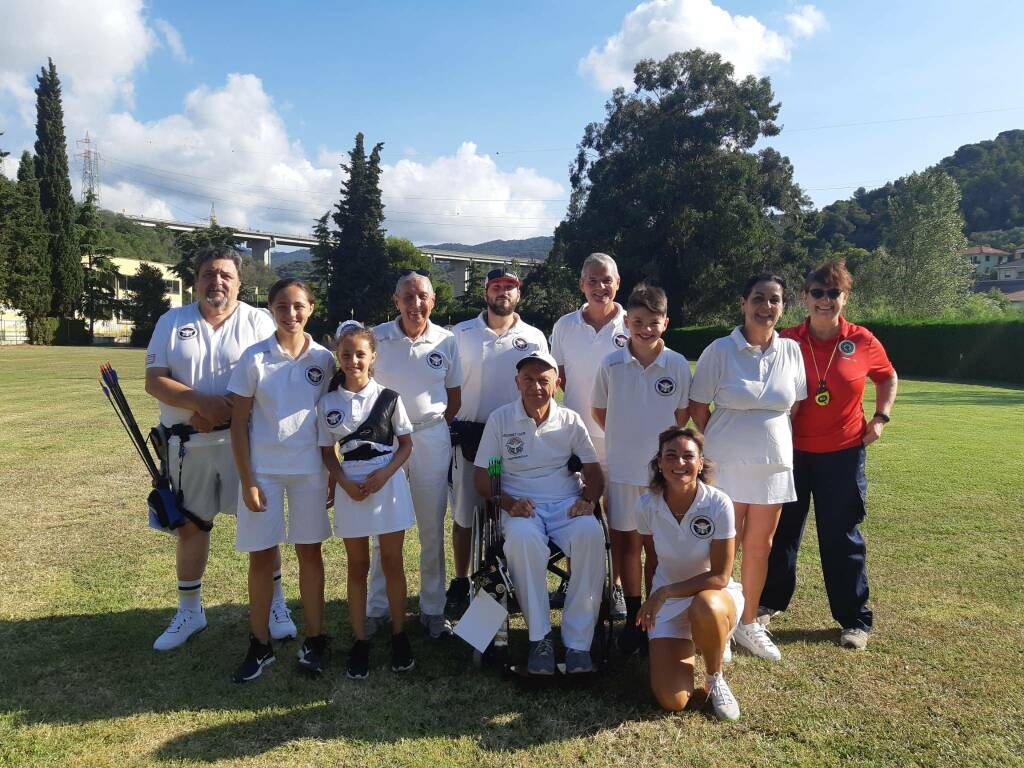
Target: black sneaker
(632, 640)
(314, 654)
(260, 655)
(456, 599)
(401, 653)
(359, 661)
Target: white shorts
(464, 495)
(307, 519)
(755, 483)
(209, 478)
(620, 502)
(673, 620)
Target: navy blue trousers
(838, 485)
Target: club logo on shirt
(314, 375)
(150, 359)
(514, 446)
(620, 340)
(435, 359)
(519, 343)
(187, 332)
(334, 418)
(702, 527)
(665, 386)
(847, 347)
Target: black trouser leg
(840, 489)
(781, 580)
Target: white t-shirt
(684, 548)
(535, 458)
(201, 357)
(285, 391)
(641, 403)
(489, 364)
(752, 392)
(340, 413)
(578, 348)
(421, 370)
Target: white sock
(190, 594)
(278, 589)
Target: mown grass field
(85, 587)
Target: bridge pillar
(261, 250)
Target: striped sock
(278, 589)
(190, 594)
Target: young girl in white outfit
(365, 420)
(276, 386)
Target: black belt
(363, 453)
(184, 431)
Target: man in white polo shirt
(489, 345)
(542, 499)
(420, 362)
(189, 361)
(579, 342)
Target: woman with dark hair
(830, 435)
(695, 602)
(756, 381)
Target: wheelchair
(492, 575)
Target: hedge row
(988, 350)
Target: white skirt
(386, 511)
(755, 483)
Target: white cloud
(172, 39)
(658, 28)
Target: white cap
(540, 357)
(345, 324)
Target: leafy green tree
(403, 254)
(256, 280)
(927, 271)
(55, 195)
(188, 243)
(99, 298)
(28, 285)
(669, 183)
(359, 269)
(473, 299)
(550, 291)
(147, 302)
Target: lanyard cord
(814, 359)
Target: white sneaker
(756, 639)
(281, 625)
(727, 653)
(184, 624)
(722, 701)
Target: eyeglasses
(420, 272)
(832, 293)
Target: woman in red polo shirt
(830, 434)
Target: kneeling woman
(694, 602)
(373, 497)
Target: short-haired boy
(639, 390)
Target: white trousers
(526, 550)
(427, 469)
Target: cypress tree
(7, 195)
(55, 195)
(28, 286)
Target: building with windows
(985, 259)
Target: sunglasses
(420, 272)
(832, 293)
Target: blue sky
(480, 105)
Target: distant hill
(280, 259)
(531, 247)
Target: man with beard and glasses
(489, 347)
(189, 362)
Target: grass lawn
(85, 587)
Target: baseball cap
(501, 273)
(538, 356)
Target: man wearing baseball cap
(542, 500)
(489, 346)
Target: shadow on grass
(819, 636)
(85, 668)
(1009, 398)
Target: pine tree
(55, 195)
(320, 255)
(188, 243)
(28, 286)
(358, 262)
(100, 300)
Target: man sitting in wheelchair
(542, 499)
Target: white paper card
(481, 622)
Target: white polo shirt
(752, 392)
(489, 363)
(641, 403)
(535, 458)
(339, 414)
(578, 348)
(202, 357)
(421, 370)
(684, 547)
(285, 392)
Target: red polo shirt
(859, 356)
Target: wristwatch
(882, 417)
